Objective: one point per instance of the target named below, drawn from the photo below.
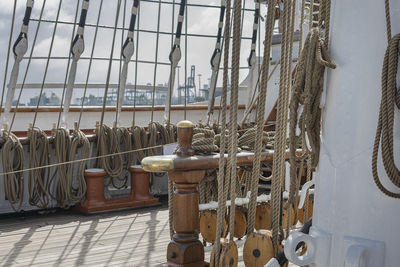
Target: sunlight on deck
(122, 238)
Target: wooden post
(185, 248)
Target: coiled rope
(390, 98)
(108, 143)
(62, 144)
(12, 156)
(80, 146)
(39, 155)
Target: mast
(354, 223)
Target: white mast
(354, 223)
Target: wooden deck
(66, 238)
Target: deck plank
(122, 238)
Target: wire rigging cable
(19, 49)
(215, 63)
(174, 57)
(127, 52)
(77, 48)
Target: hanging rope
(12, 156)
(278, 171)
(108, 143)
(80, 147)
(390, 98)
(39, 155)
(139, 141)
(63, 183)
(222, 177)
(258, 131)
(233, 132)
(306, 93)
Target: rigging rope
(260, 114)
(233, 134)
(385, 127)
(222, 179)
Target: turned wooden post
(185, 247)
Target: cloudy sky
(200, 20)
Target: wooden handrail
(113, 109)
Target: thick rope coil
(140, 141)
(61, 177)
(39, 155)
(203, 141)
(125, 142)
(248, 140)
(108, 143)
(80, 146)
(13, 160)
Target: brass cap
(185, 124)
(157, 164)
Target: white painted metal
(361, 220)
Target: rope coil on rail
(39, 155)
(12, 156)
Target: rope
(108, 143)
(384, 130)
(278, 171)
(307, 90)
(39, 155)
(80, 146)
(139, 141)
(12, 157)
(62, 145)
(221, 178)
(79, 160)
(233, 137)
(124, 139)
(257, 132)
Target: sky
(200, 20)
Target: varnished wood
(113, 109)
(228, 254)
(258, 249)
